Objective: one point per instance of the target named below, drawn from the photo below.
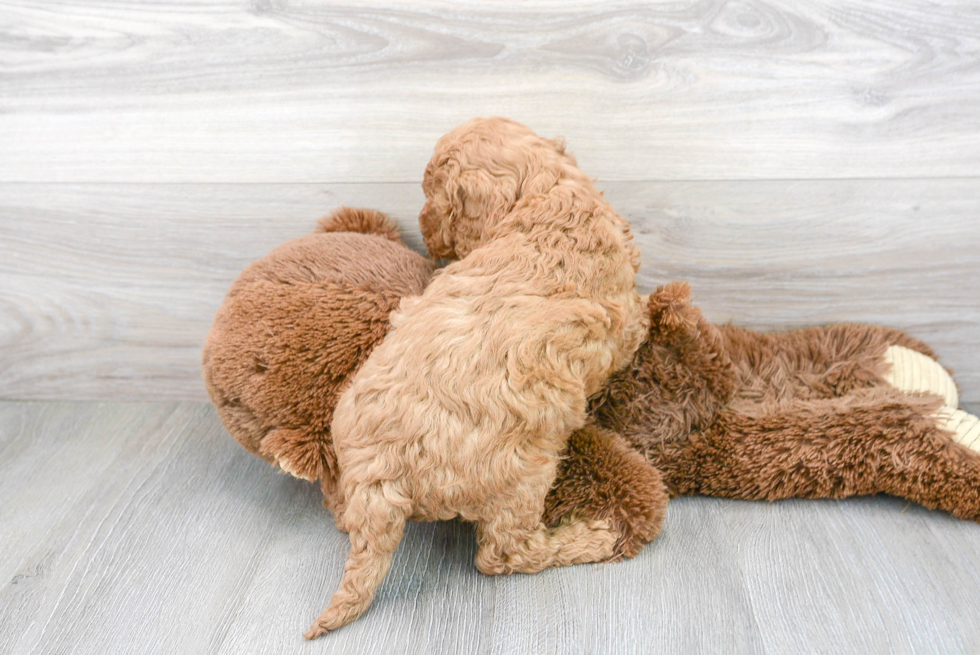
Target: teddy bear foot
(913, 372)
(965, 427)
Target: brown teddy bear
(822, 412)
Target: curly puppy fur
(465, 407)
(285, 340)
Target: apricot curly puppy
(465, 406)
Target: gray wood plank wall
(799, 162)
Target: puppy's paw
(593, 541)
(606, 537)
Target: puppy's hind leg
(515, 539)
(376, 527)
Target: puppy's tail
(376, 526)
(364, 221)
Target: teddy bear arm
(601, 477)
(677, 324)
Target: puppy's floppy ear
(455, 192)
(440, 215)
(485, 198)
(448, 177)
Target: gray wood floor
(144, 528)
(799, 162)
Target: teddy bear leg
(937, 473)
(600, 477)
(880, 441)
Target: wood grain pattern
(798, 162)
(847, 578)
(107, 291)
(155, 532)
(270, 91)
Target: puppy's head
(477, 174)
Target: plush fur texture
(602, 477)
(724, 411)
(464, 408)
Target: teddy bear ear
(363, 221)
(454, 190)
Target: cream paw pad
(914, 372)
(965, 427)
